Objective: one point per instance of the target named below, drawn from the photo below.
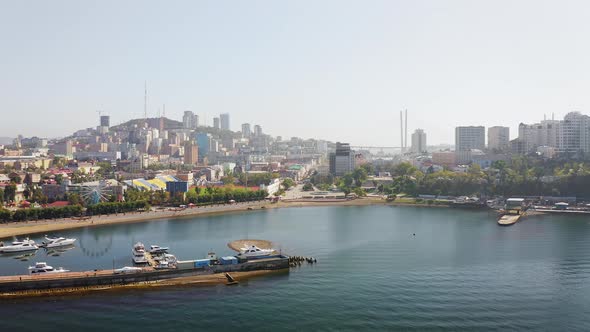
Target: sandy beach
(48, 226)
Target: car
(128, 269)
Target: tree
(15, 178)
(288, 183)
(359, 175)
(308, 187)
(74, 199)
(1, 197)
(10, 192)
(404, 168)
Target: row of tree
(522, 176)
(41, 213)
(116, 207)
(223, 195)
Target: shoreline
(47, 226)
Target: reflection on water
(97, 245)
(58, 250)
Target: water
(459, 272)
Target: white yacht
(255, 252)
(138, 253)
(53, 242)
(16, 246)
(42, 267)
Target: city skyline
(449, 65)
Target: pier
(24, 285)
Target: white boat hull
(67, 242)
(18, 249)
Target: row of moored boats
(30, 245)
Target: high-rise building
(469, 138)
(342, 160)
(246, 132)
(188, 120)
(204, 143)
(574, 134)
(224, 120)
(195, 121)
(216, 123)
(535, 135)
(105, 121)
(499, 138)
(257, 130)
(191, 153)
(419, 141)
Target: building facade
(574, 134)
(190, 120)
(224, 121)
(470, 137)
(342, 161)
(535, 135)
(246, 132)
(418, 141)
(499, 138)
(191, 153)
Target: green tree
(308, 187)
(10, 192)
(288, 183)
(74, 199)
(359, 175)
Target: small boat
(53, 242)
(155, 249)
(138, 253)
(16, 246)
(42, 267)
(255, 252)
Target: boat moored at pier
(54, 242)
(17, 246)
(42, 267)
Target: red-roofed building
(58, 204)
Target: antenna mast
(145, 102)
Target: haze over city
(332, 69)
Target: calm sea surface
(460, 271)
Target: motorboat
(155, 249)
(255, 252)
(53, 242)
(138, 253)
(42, 267)
(16, 246)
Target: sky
(336, 70)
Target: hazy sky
(339, 70)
